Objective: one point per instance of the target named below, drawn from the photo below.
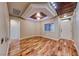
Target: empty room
(39, 29)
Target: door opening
(66, 29)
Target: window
(49, 27)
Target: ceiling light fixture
(65, 15)
(38, 14)
(38, 18)
(54, 5)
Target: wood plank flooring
(39, 46)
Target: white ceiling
(26, 9)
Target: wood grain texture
(39, 46)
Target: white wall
(29, 28)
(54, 34)
(76, 25)
(4, 28)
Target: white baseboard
(29, 37)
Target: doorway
(66, 28)
(14, 36)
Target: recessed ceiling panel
(17, 8)
(44, 9)
(41, 16)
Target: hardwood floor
(39, 46)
